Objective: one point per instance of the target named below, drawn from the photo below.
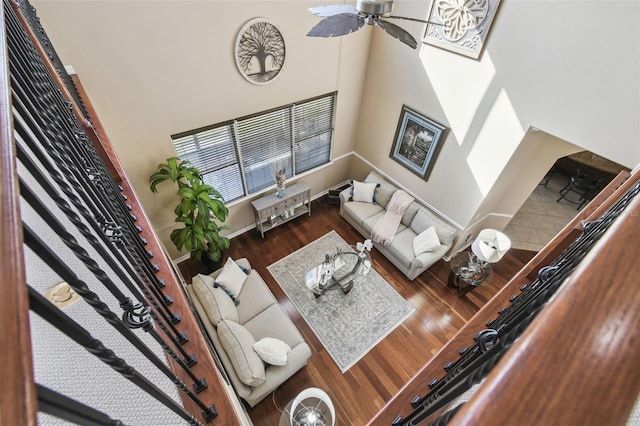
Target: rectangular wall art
(417, 142)
(464, 25)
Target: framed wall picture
(465, 25)
(417, 142)
(260, 51)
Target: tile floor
(540, 218)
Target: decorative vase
(280, 185)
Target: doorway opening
(553, 203)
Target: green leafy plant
(201, 209)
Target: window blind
(313, 131)
(213, 153)
(241, 156)
(265, 145)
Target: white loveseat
(364, 215)
(233, 330)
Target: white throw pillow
(272, 351)
(231, 278)
(426, 241)
(364, 191)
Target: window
(240, 157)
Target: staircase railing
(492, 355)
(62, 186)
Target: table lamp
(490, 245)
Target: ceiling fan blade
(397, 32)
(334, 9)
(337, 25)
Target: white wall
(569, 68)
(156, 68)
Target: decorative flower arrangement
(281, 176)
(361, 247)
(328, 268)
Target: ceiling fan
(342, 19)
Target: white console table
(271, 211)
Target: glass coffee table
(342, 270)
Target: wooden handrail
(18, 404)
(418, 385)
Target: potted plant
(202, 210)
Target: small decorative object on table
(340, 269)
(367, 245)
(281, 177)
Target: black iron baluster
(81, 336)
(29, 12)
(48, 101)
(80, 287)
(91, 264)
(69, 409)
(71, 170)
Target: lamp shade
(490, 245)
(312, 407)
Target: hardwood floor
(361, 391)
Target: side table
(271, 211)
(466, 272)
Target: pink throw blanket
(387, 225)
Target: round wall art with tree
(260, 51)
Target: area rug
(347, 325)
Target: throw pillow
(424, 219)
(384, 194)
(374, 177)
(426, 241)
(238, 342)
(364, 192)
(231, 278)
(215, 301)
(272, 351)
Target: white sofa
(364, 215)
(256, 316)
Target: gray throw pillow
(424, 219)
(215, 301)
(238, 343)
